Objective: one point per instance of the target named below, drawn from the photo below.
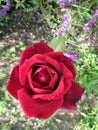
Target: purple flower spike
(63, 3)
(73, 57)
(65, 24)
(6, 8)
(74, 1)
(66, 3)
(92, 21)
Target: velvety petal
(13, 84)
(54, 80)
(39, 48)
(67, 78)
(40, 60)
(37, 88)
(62, 86)
(37, 107)
(66, 72)
(59, 56)
(27, 65)
(41, 76)
(72, 96)
(53, 77)
(59, 92)
(52, 63)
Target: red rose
(43, 82)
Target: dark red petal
(37, 107)
(41, 76)
(60, 57)
(39, 48)
(66, 72)
(13, 84)
(72, 96)
(28, 65)
(37, 88)
(56, 94)
(37, 59)
(54, 79)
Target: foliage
(87, 68)
(2, 3)
(89, 121)
(58, 43)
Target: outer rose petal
(39, 48)
(13, 84)
(37, 107)
(72, 96)
(59, 56)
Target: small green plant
(20, 4)
(90, 121)
(22, 46)
(4, 100)
(4, 127)
(87, 68)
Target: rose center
(42, 77)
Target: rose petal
(39, 48)
(72, 96)
(37, 107)
(27, 65)
(41, 76)
(14, 84)
(52, 74)
(66, 72)
(54, 80)
(52, 63)
(56, 94)
(37, 88)
(61, 58)
(40, 60)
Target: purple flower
(92, 21)
(6, 8)
(66, 3)
(74, 1)
(73, 57)
(63, 3)
(65, 24)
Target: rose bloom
(43, 82)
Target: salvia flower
(73, 57)
(65, 24)
(6, 8)
(92, 21)
(66, 3)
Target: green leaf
(2, 75)
(58, 43)
(12, 49)
(2, 47)
(21, 43)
